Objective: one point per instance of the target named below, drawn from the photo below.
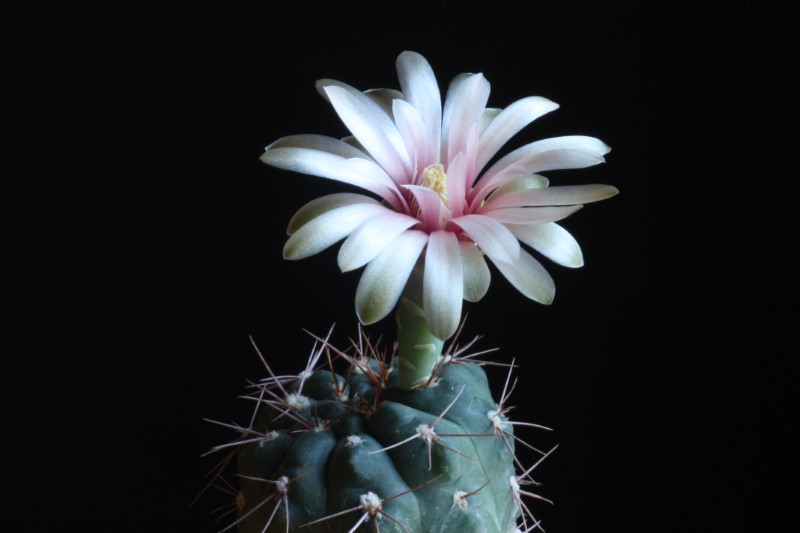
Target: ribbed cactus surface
(352, 451)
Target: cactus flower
(413, 443)
(439, 200)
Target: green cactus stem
(343, 447)
(418, 349)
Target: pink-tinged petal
(575, 151)
(371, 237)
(508, 123)
(372, 171)
(412, 128)
(471, 151)
(560, 195)
(552, 241)
(431, 208)
(466, 100)
(530, 215)
(385, 276)
(529, 277)
(323, 204)
(384, 98)
(443, 284)
(328, 165)
(371, 126)
(457, 184)
(421, 90)
(476, 272)
(328, 229)
(491, 236)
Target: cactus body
(332, 451)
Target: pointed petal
(522, 183)
(371, 237)
(476, 272)
(574, 151)
(508, 123)
(457, 184)
(328, 229)
(421, 90)
(328, 165)
(322, 143)
(384, 98)
(464, 105)
(531, 215)
(323, 204)
(385, 276)
(371, 126)
(493, 238)
(550, 240)
(470, 152)
(412, 128)
(529, 277)
(443, 284)
(430, 205)
(372, 172)
(559, 195)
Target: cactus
(412, 440)
(354, 451)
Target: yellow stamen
(434, 178)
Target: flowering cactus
(364, 440)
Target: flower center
(434, 178)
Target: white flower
(432, 197)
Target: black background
(143, 246)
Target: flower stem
(418, 349)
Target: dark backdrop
(144, 237)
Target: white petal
(412, 128)
(371, 126)
(352, 141)
(457, 184)
(327, 165)
(466, 100)
(494, 239)
(550, 240)
(470, 152)
(508, 123)
(476, 272)
(385, 276)
(384, 98)
(575, 151)
(421, 90)
(323, 204)
(369, 170)
(371, 238)
(488, 115)
(531, 215)
(522, 183)
(322, 143)
(529, 277)
(560, 195)
(327, 229)
(443, 284)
